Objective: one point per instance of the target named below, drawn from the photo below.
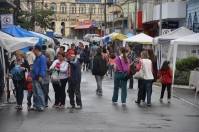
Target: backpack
(17, 73)
(100, 66)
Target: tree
(41, 18)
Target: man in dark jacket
(74, 80)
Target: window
(82, 9)
(63, 8)
(53, 7)
(73, 9)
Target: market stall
(162, 42)
(182, 44)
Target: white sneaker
(123, 104)
(114, 103)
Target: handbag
(55, 77)
(139, 74)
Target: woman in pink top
(121, 67)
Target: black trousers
(60, 94)
(74, 92)
(19, 87)
(164, 86)
(131, 80)
(141, 91)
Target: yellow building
(75, 17)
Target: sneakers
(137, 102)
(99, 93)
(114, 103)
(149, 104)
(19, 107)
(62, 106)
(79, 107)
(123, 104)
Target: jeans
(46, 91)
(147, 84)
(38, 95)
(74, 91)
(19, 87)
(164, 86)
(119, 84)
(29, 96)
(99, 82)
(60, 94)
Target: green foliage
(42, 18)
(187, 64)
(183, 68)
(182, 77)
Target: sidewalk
(187, 95)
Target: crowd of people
(44, 65)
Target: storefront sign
(170, 25)
(6, 20)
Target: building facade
(193, 15)
(173, 15)
(75, 18)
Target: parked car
(88, 37)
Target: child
(165, 76)
(29, 88)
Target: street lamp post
(160, 26)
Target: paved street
(99, 115)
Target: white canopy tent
(162, 42)
(190, 40)
(48, 39)
(139, 38)
(12, 44)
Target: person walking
(120, 80)
(86, 58)
(18, 68)
(165, 76)
(39, 70)
(74, 80)
(59, 79)
(147, 76)
(51, 52)
(99, 70)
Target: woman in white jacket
(59, 79)
(147, 75)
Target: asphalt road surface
(99, 115)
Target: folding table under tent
(162, 42)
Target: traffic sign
(6, 20)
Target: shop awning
(83, 27)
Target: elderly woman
(17, 70)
